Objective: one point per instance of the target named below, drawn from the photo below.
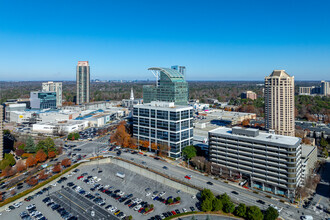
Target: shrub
(206, 205)
(254, 213)
(240, 210)
(271, 214)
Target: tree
(170, 200)
(19, 152)
(207, 194)
(51, 154)
(323, 142)
(42, 175)
(46, 145)
(245, 122)
(177, 198)
(20, 166)
(30, 147)
(31, 161)
(189, 152)
(121, 136)
(10, 158)
(57, 168)
(66, 162)
(271, 213)
(206, 205)
(70, 136)
(325, 152)
(76, 136)
(13, 192)
(216, 205)
(224, 198)
(41, 156)
(5, 172)
(254, 213)
(240, 210)
(228, 207)
(32, 181)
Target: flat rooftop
(163, 106)
(306, 150)
(262, 136)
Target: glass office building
(164, 123)
(43, 100)
(171, 87)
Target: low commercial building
(309, 160)
(60, 127)
(269, 162)
(164, 123)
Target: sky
(215, 40)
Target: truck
(120, 175)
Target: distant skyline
(216, 40)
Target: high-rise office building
(171, 86)
(268, 161)
(1, 132)
(54, 87)
(279, 103)
(164, 123)
(83, 81)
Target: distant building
(269, 162)
(249, 95)
(171, 87)
(54, 87)
(164, 124)
(43, 100)
(128, 103)
(323, 89)
(279, 103)
(83, 82)
(1, 132)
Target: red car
(188, 177)
(173, 212)
(79, 177)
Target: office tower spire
(83, 81)
(279, 103)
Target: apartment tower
(279, 103)
(83, 81)
(54, 87)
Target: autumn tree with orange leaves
(41, 156)
(66, 162)
(51, 154)
(121, 136)
(245, 122)
(20, 166)
(57, 168)
(32, 181)
(31, 161)
(43, 175)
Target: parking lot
(118, 198)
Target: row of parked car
(61, 211)
(32, 213)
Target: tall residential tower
(83, 81)
(279, 103)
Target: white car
(121, 193)
(8, 209)
(107, 186)
(184, 210)
(162, 193)
(95, 177)
(53, 184)
(139, 201)
(148, 194)
(99, 179)
(113, 209)
(31, 206)
(137, 207)
(122, 217)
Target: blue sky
(215, 40)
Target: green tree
(240, 210)
(216, 205)
(254, 213)
(325, 152)
(189, 152)
(323, 142)
(21, 146)
(207, 194)
(170, 200)
(206, 205)
(46, 145)
(30, 147)
(70, 136)
(228, 207)
(224, 198)
(10, 158)
(76, 136)
(271, 214)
